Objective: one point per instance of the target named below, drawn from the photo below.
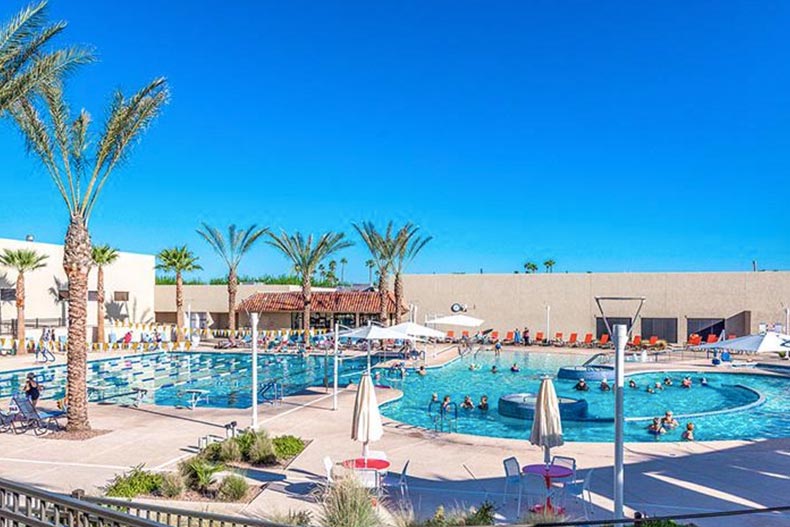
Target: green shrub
(233, 488)
(172, 485)
(262, 451)
(229, 451)
(245, 441)
(133, 483)
(287, 446)
(544, 516)
(199, 474)
(295, 518)
(482, 515)
(211, 452)
(348, 504)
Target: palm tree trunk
(20, 313)
(76, 263)
(100, 305)
(307, 295)
(179, 306)
(383, 297)
(233, 286)
(398, 297)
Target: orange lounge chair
(604, 341)
(539, 337)
(465, 334)
(731, 336)
(712, 338)
(558, 339)
(451, 336)
(588, 340)
(694, 340)
(636, 343)
(495, 336)
(573, 340)
(653, 341)
(509, 336)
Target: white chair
(580, 491)
(534, 486)
(328, 467)
(400, 482)
(512, 477)
(566, 462)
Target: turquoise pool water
(768, 418)
(167, 377)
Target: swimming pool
(168, 376)
(741, 406)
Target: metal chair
(400, 482)
(566, 462)
(512, 476)
(580, 491)
(534, 486)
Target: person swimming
(667, 381)
(421, 372)
(493, 369)
(515, 368)
(468, 404)
(604, 386)
(632, 383)
(658, 387)
(703, 381)
(483, 406)
(686, 383)
(435, 398)
(668, 421)
(650, 389)
(581, 386)
(445, 403)
(688, 433)
(655, 427)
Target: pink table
(548, 472)
(361, 462)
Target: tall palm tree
(407, 245)
(25, 65)
(102, 256)
(343, 264)
(549, 265)
(530, 267)
(178, 260)
(232, 250)
(306, 254)
(370, 264)
(80, 167)
(382, 247)
(24, 261)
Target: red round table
(548, 472)
(361, 462)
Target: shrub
(295, 518)
(133, 483)
(233, 488)
(245, 441)
(544, 516)
(172, 485)
(211, 452)
(199, 474)
(229, 451)
(287, 446)
(262, 451)
(348, 504)
(483, 515)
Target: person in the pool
(581, 386)
(667, 381)
(688, 433)
(658, 387)
(515, 368)
(650, 389)
(703, 381)
(668, 421)
(483, 406)
(632, 384)
(497, 348)
(377, 376)
(445, 403)
(468, 404)
(604, 386)
(434, 397)
(422, 372)
(686, 383)
(493, 369)
(655, 427)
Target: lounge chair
(494, 336)
(509, 338)
(558, 339)
(450, 336)
(652, 342)
(636, 343)
(7, 422)
(573, 341)
(712, 339)
(603, 342)
(29, 417)
(588, 341)
(694, 340)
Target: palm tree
(549, 265)
(178, 260)
(24, 64)
(382, 250)
(343, 263)
(232, 250)
(370, 264)
(80, 167)
(102, 255)
(407, 246)
(306, 254)
(530, 267)
(23, 260)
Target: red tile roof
(323, 302)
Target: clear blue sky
(611, 136)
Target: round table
(548, 472)
(361, 462)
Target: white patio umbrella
(457, 320)
(416, 330)
(768, 342)
(366, 426)
(371, 332)
(547, 425)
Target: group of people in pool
(661, 425)
(468, 404)
(494, 369)
(686, 383)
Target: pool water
(726, 393)
(167, 377)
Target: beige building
(129, 289)
(677, 304)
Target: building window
(7, 294)
(705, 326)
(93, 296)
(663, 328)
(600, 325)
(121, 296)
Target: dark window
(705, 326)
(121, 296)
(600, 325)
(63, 294)
(92, 296)
(7, 294)
(663, 328)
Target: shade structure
(547, 425)
(457, 320)
(768, 342)
(416, 330)
(372, 332)
(366, 426)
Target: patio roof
(323, 302)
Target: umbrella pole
(547, 455)
(368, 356)
(365, 450)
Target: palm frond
(177, 260)
(104, 255)
(23, 260)
(233, 248)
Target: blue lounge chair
(31, 418)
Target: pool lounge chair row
(28, 417)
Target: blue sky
(609, 136)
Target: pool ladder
(272, 393)
(444, 420)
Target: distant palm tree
(25, 65)
(530, 267)
(370, 264)
(407, 245)
(232, 250)
(80, 166)
(343, 264)
(306, 254)
(322, 272)
(382, 249)
(102, 256)
(549, 265)
(23, 261)
(178, 260)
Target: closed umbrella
(547, 425)
(366, 425)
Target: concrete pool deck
(661, 477)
